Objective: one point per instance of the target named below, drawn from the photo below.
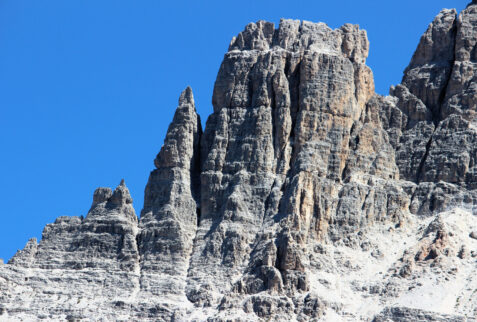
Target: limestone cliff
(306, 197)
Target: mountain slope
(307, 196)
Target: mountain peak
(184, 127)
(187, 97)
(307, 197)
(120, 195)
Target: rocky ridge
(306, 197)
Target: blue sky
(88, 88)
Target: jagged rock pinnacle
(101, 195)
(186, 97)
(120, 195)
(182, 137)
(170, 216)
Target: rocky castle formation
(306, 197)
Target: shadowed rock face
(307, 196)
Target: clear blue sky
(88, 88)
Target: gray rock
(171, 205)
(104, 239)
(407, 314)
(26, 256)
(307, 197)
(427, 75)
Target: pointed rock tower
(169, 219)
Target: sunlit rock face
(306, 197)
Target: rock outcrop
(307, 196)
(171, 205)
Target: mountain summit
(306, 197)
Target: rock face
(307, 196)
(171, 205)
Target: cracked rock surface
(306, 197)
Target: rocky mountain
(306, 197)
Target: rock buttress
(289, 157)
(171, 210)
(81, 268)
(431, 115)
(105, 238)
